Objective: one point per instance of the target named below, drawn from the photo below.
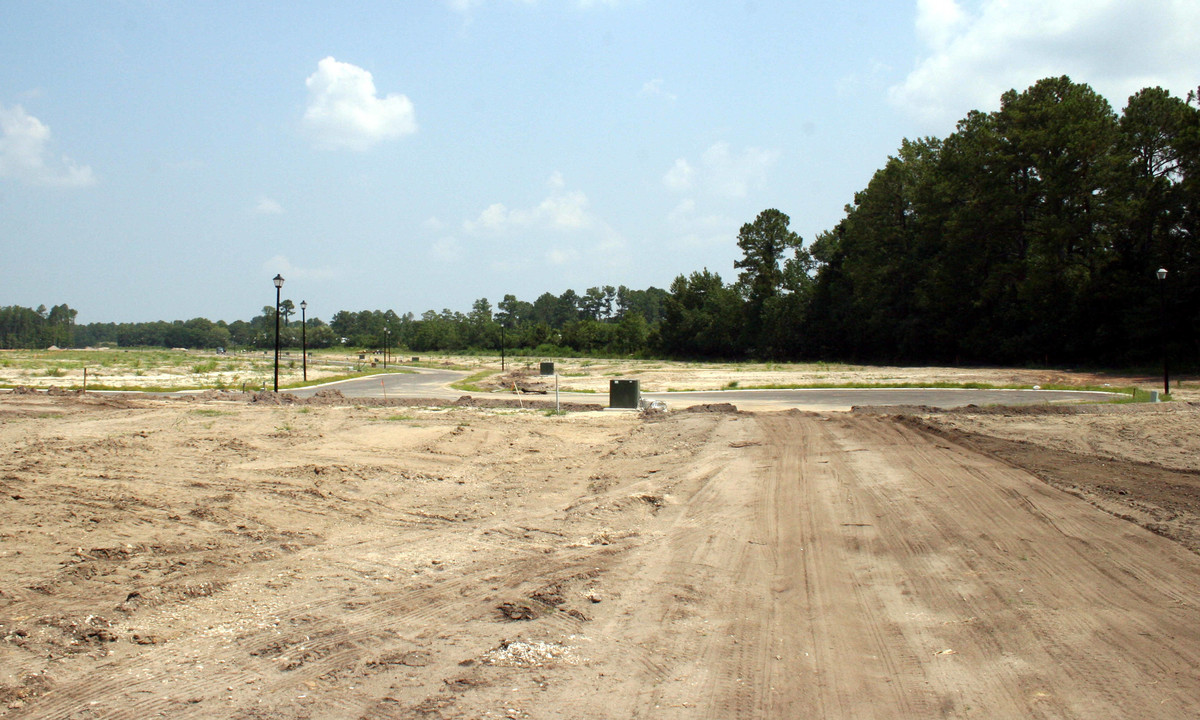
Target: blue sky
(164, 160)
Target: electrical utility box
(547, 368)
(624, 393)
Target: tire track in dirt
(725, 566)
(843, 566)
(1049, 595)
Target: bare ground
(220, 558)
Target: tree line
(1031, 235)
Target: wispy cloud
(562, 224)
(560, 210)
(722, 172)
(655, 89)
(692, 228)
(977, 50)
(267, 206)
(464, 7)
(446, 250)
(345, 110)
(280, 265)
(25, 153)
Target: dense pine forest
(1031, 235)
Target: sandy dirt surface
(216, 557)
(593, 375)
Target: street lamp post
(1162, 296)
(501, 347)
(387, 345)
(304, 338)
(278, 280)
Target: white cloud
(561, 210)
(680, 176)
(464, 7)
(722, 172)
(561, 227)
(280, 265)
(692, 228)
(654, 88)
(492, 219)
(447, 250)
(977, 50)
(267, 206)
(560, 256)
(345, 111)
(938, 21)
(25, 154)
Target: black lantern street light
(387, 345)
(304, 339)
(1162, 283)
(278, 280)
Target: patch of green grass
(126, 388)
(551, 413)
(1136, 395)
(399, 418)
(470, 383)
(210, 412)
(204, 367)
(54, 372)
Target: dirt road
(217, 559)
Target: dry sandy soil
(195, 369)
(593, 375)
(223, 558)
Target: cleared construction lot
(222, 558)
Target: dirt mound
(216, 395)
(712, 408)
(525, 380)
(325, 397)
(274, 398)
(23, 390)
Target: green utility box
(547, 368)
(624, 393)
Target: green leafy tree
(774, 263)
(703, 318)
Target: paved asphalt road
(434, 384)
(422, 383)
